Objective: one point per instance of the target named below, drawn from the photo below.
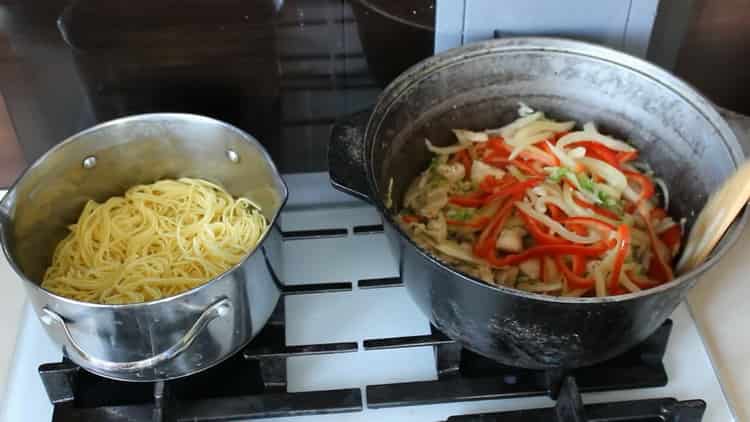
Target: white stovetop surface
(717, 305)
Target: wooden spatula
(721, 209)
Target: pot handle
(347, 162)
(218, 309)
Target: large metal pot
(171, 337)
(479, 86)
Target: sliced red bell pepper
(517, 189)
(538, 234)
(472, 200)
(541, 250)
(589, 221)
(465, 159)
(499, 146)
(555, 212)
(490, 183)
(671, 237)
(579, 264)
(647, 186)
(623, 156)
(658, 269)
(574, 280)
(488, 238)
(658, 213)
(557, 137)
(496, 145)
(599, 151)
(599, 210)
(503, 162)
(623, 245)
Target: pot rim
(124, 120)
(424, 69)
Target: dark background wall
(715, 54)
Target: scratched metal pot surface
(678, 132)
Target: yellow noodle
(156, 241)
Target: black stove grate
(570, 408)
(253, 383)
(463, 375)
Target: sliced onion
(577, 152)
(515, 172)
(565, 160)
(552, 194)
(625, 281)
(602, 270)
(614, 177)
(444, 150)
(664, 191)
(542, 126)
(480, 170)
(466, 136)
(557, 227)
(590, 127)
(538, 154)
(644, 168)
(508, 130)
(664, 225)
(584, 135)
(521, 144)
(524, 109)
(600, 283)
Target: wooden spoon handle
(720, 210)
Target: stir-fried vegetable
(539, 206)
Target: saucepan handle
(216, 310)
(347, 158)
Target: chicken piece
(434, 200)
(480, 170)
(550, 270)
(511, 239)
(485, 273)
(415, 191)
(437, 228)
(452, 172)
(531, 268)
(506, 276)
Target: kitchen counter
(11, 306)
(717, 304)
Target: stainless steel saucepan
(171, 337)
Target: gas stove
(346, 343)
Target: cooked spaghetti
(539, 206)
(155, 241)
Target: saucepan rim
(142, 118)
